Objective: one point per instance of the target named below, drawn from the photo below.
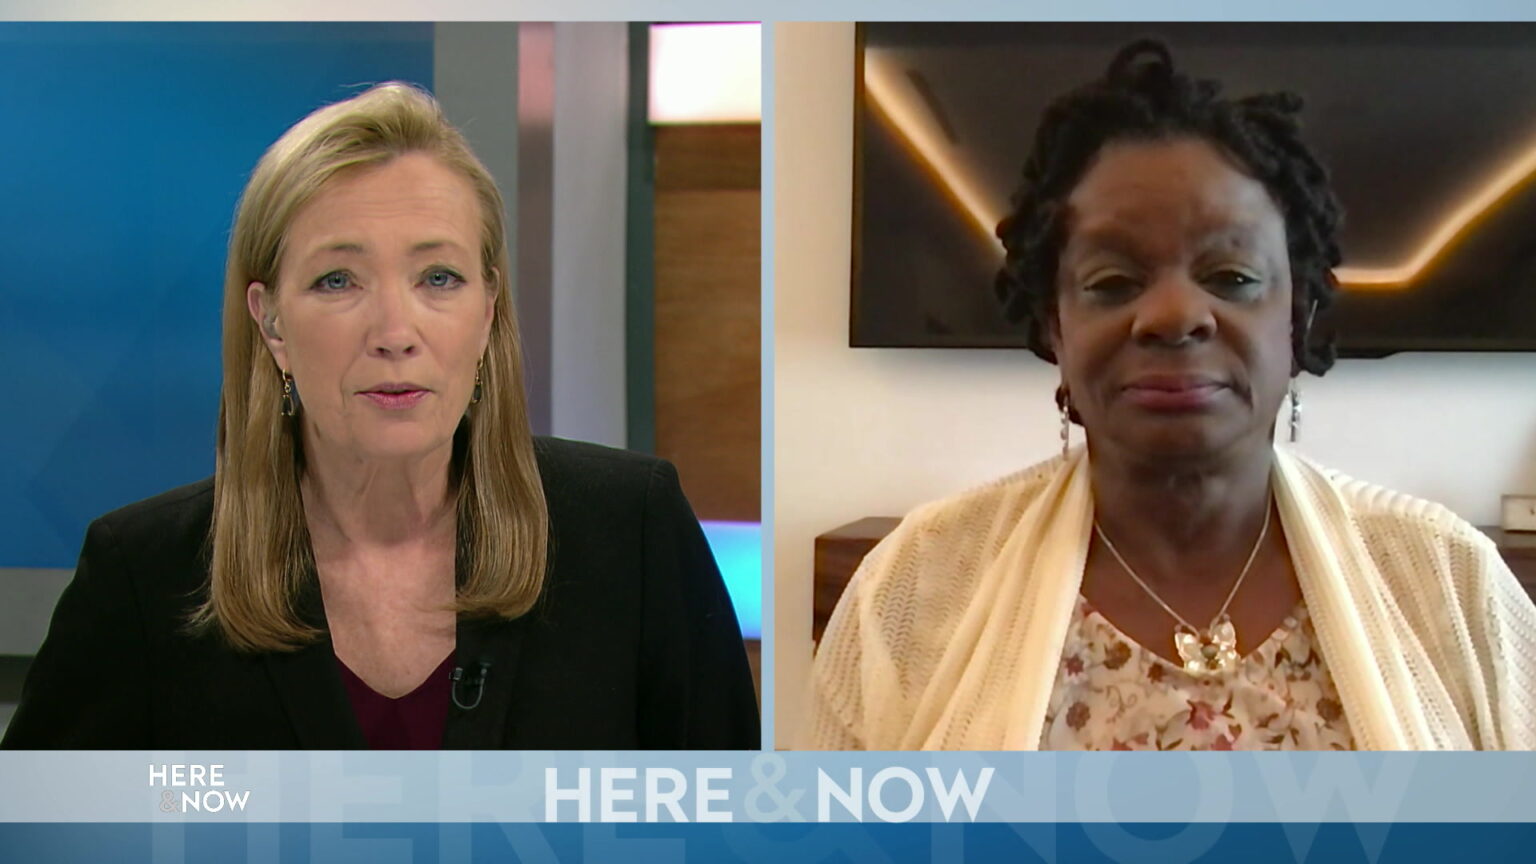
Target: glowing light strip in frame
(906, 116)
(1517, 173)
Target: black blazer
(632, 645)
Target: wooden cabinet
(1519, 551)
(838, 553)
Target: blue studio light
(738, 548)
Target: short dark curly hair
(1141, 97)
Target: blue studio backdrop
(126, 147)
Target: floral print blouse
(1112, 694)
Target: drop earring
(1062, 404)
(474, 396)
(1295, 388)
(289, 407)
(1295, 392)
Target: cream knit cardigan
(951, 631)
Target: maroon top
(415, 721)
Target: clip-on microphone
(476, 684)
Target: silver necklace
(1205, 652)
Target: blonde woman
(385, 556)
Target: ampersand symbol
(768, 770)
(167, 801)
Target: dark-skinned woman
(1179, 582)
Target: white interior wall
(587, 298)
(870, 432)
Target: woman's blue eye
(443, 279)
(336, 280)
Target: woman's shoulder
(588, 485)
(905, 603)
(940, 548)
(175, 519)
(1381, 512)
(1450, 586)
(566, 464)
(1424, 551)
(981, 513)
(153, 552)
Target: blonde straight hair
(261, 560)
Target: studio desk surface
(839, 551)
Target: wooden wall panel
(708, 314)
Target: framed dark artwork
(1428, 131)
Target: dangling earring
(1062, 404)
(1295, 388)
(1295, 393)
(289, 407)
(474, 396)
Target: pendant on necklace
(1208, 653)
